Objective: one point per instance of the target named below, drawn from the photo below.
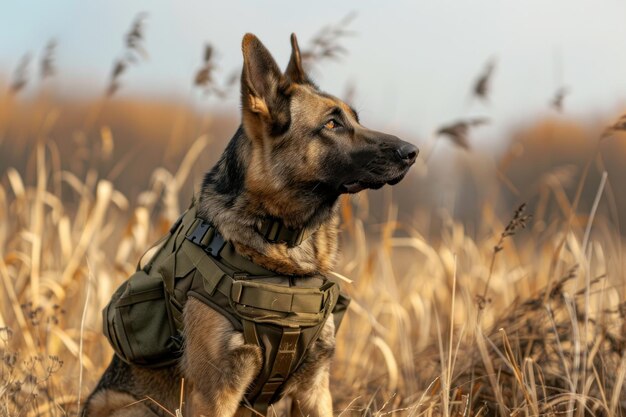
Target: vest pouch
(138, 323)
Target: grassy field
(512, 314)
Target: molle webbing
(272, 312)
(284, 315)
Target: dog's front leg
(314, 399)
(216, 362)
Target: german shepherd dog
(297, 150)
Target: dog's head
(305, 141)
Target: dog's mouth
(356, 186)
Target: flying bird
(458, 131)
(482, 85)
(559, 96)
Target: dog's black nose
(407, 152)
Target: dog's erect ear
(262, 82)
(295, 72)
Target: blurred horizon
(409, 70)
(411, 66)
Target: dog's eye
(332, 124)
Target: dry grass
(497, 321)
(462, 328)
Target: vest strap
(281, 368)
(268, 297)
(274, 231)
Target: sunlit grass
(460, 327)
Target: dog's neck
(238, 212)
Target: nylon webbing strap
(249, 333)
(287, 350)
(275, 231)
(212, 275)
(262, 296)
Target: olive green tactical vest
(284, 315)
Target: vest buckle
(199, 232)
(216, 240)
(216, 245)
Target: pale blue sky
(413, 62)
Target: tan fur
(258, 105)
(219, 367)
(117, 404)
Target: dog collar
(206, 235)
(275, 231)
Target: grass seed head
(133, 53)
(327, 43)
(205, 78)
(20, 75)
(47, 66)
